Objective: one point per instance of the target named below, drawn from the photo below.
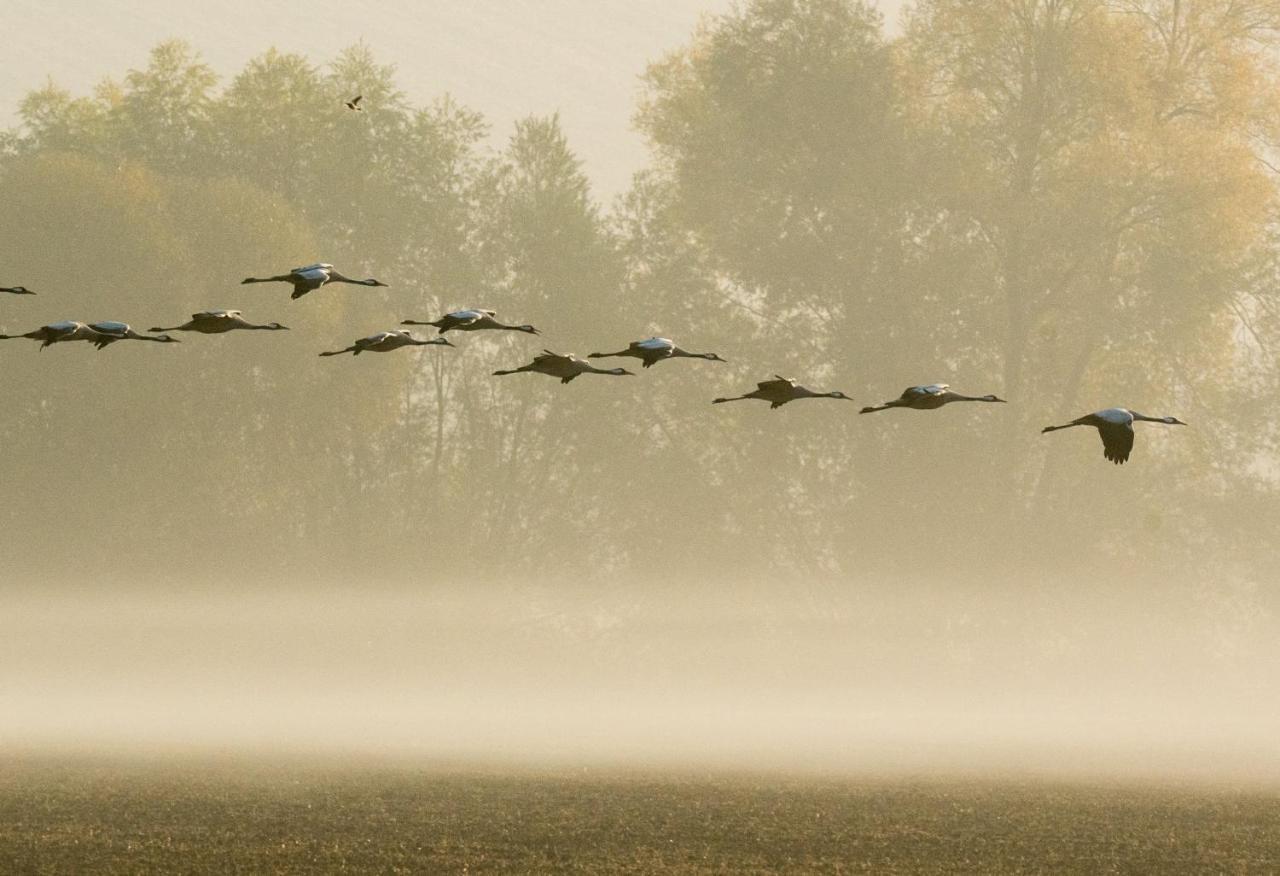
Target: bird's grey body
(112, 331)
(565, 366)
(309, 278)
(16, 290)
(59, 332)
(780, 391)
(927, 398)
(471, 321)
(385, 342)
(215, 322)
(354, 103)
(1115, 427)
(653, 350)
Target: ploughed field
(83, 816)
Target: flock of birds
(1114, 425)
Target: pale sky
(505, 58)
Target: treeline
(1070, 203)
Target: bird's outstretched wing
(779, 382)
(652, 345)
(318, 266)
(1117, 441)
(931, 389)
(466, 317)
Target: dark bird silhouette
(112, 331)
(385, 342)
(309, 278)
(17, 290)
(58, 332)
(779, 391)
(354, 103)
(215, 322)
(927, 398)
(565, 366)
(471, 321)
(652, 350)
(1115, 426)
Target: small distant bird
(1115, 425)
(565, 366)
(385, 342)
(17, 290)
(652, 350)
(927, 398)
(215, 322)
(57, 332)
(354, 103)
(309, 278)
(779, 391)
(112, 331)
(471, 321)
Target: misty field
(81, 817)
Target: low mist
(947, 680)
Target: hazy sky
(506, 58)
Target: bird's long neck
(280, 279)
(335, 277)
(1144, 418)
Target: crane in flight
(928, 398)
(780, 391)
(1115, 426)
